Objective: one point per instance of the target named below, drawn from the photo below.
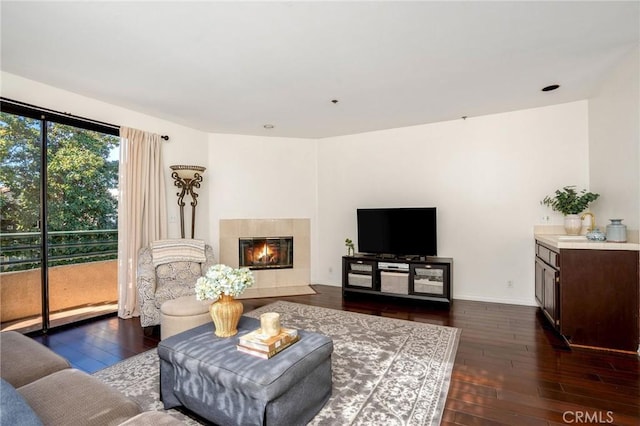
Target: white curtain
(142, 208)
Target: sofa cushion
(71, 397)
(14, 410)
(25, 360)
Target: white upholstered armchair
(168, 269)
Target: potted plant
(349, 244)
(222, 283)
(570, 203)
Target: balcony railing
(82, 276)
(22, 250)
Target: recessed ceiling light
(335, 101)
(268, 126)
(550, 88)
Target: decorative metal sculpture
(187, 178)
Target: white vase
(572, 224)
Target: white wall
(185, 145)
(252, 177)
(486, 176)
(614, 144)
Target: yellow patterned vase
(226, 313)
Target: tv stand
(427, 278)
(389, 256)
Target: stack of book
(263, 346)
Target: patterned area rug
(385, 371)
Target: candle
(270, 323)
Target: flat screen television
(398, 231)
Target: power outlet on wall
(510, 284)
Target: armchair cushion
(175, 280)
(183, 250)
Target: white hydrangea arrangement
(222, 279)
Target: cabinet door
(430, 279)
(359, 274)
(539, 289)
(600, 297)
(551, 295)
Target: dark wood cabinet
(552, 295)
(428, 279)
(547, 280)
(547, 291)
(539, 283)
(590, 296)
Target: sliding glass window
(58, 209)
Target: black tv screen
(398, 231)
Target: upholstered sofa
(174, 276)
(38, 387)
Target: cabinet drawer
(358, 280)
(548, 256)
(394, 282)
(361, 267)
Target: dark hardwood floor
(510, 368)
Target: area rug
(259, 293)
(385, 371)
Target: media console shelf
(429, 279)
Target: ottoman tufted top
(203, 354)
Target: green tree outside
(82, 177)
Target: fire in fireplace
(266, 252)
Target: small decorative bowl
(596, 235)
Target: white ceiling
(231, 67)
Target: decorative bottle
(616, 231)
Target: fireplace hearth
(266, 252)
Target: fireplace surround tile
(302, 257)
(266, 278)
(283, 227)
(227, 247)
(231, 230)
(301, 227)
(284, 277)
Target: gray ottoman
(210, 377)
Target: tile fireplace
(277, 250)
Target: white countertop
(555, 240)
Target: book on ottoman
(262, 342)
(267, 354)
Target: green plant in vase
(350, 248)
(570, 203)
